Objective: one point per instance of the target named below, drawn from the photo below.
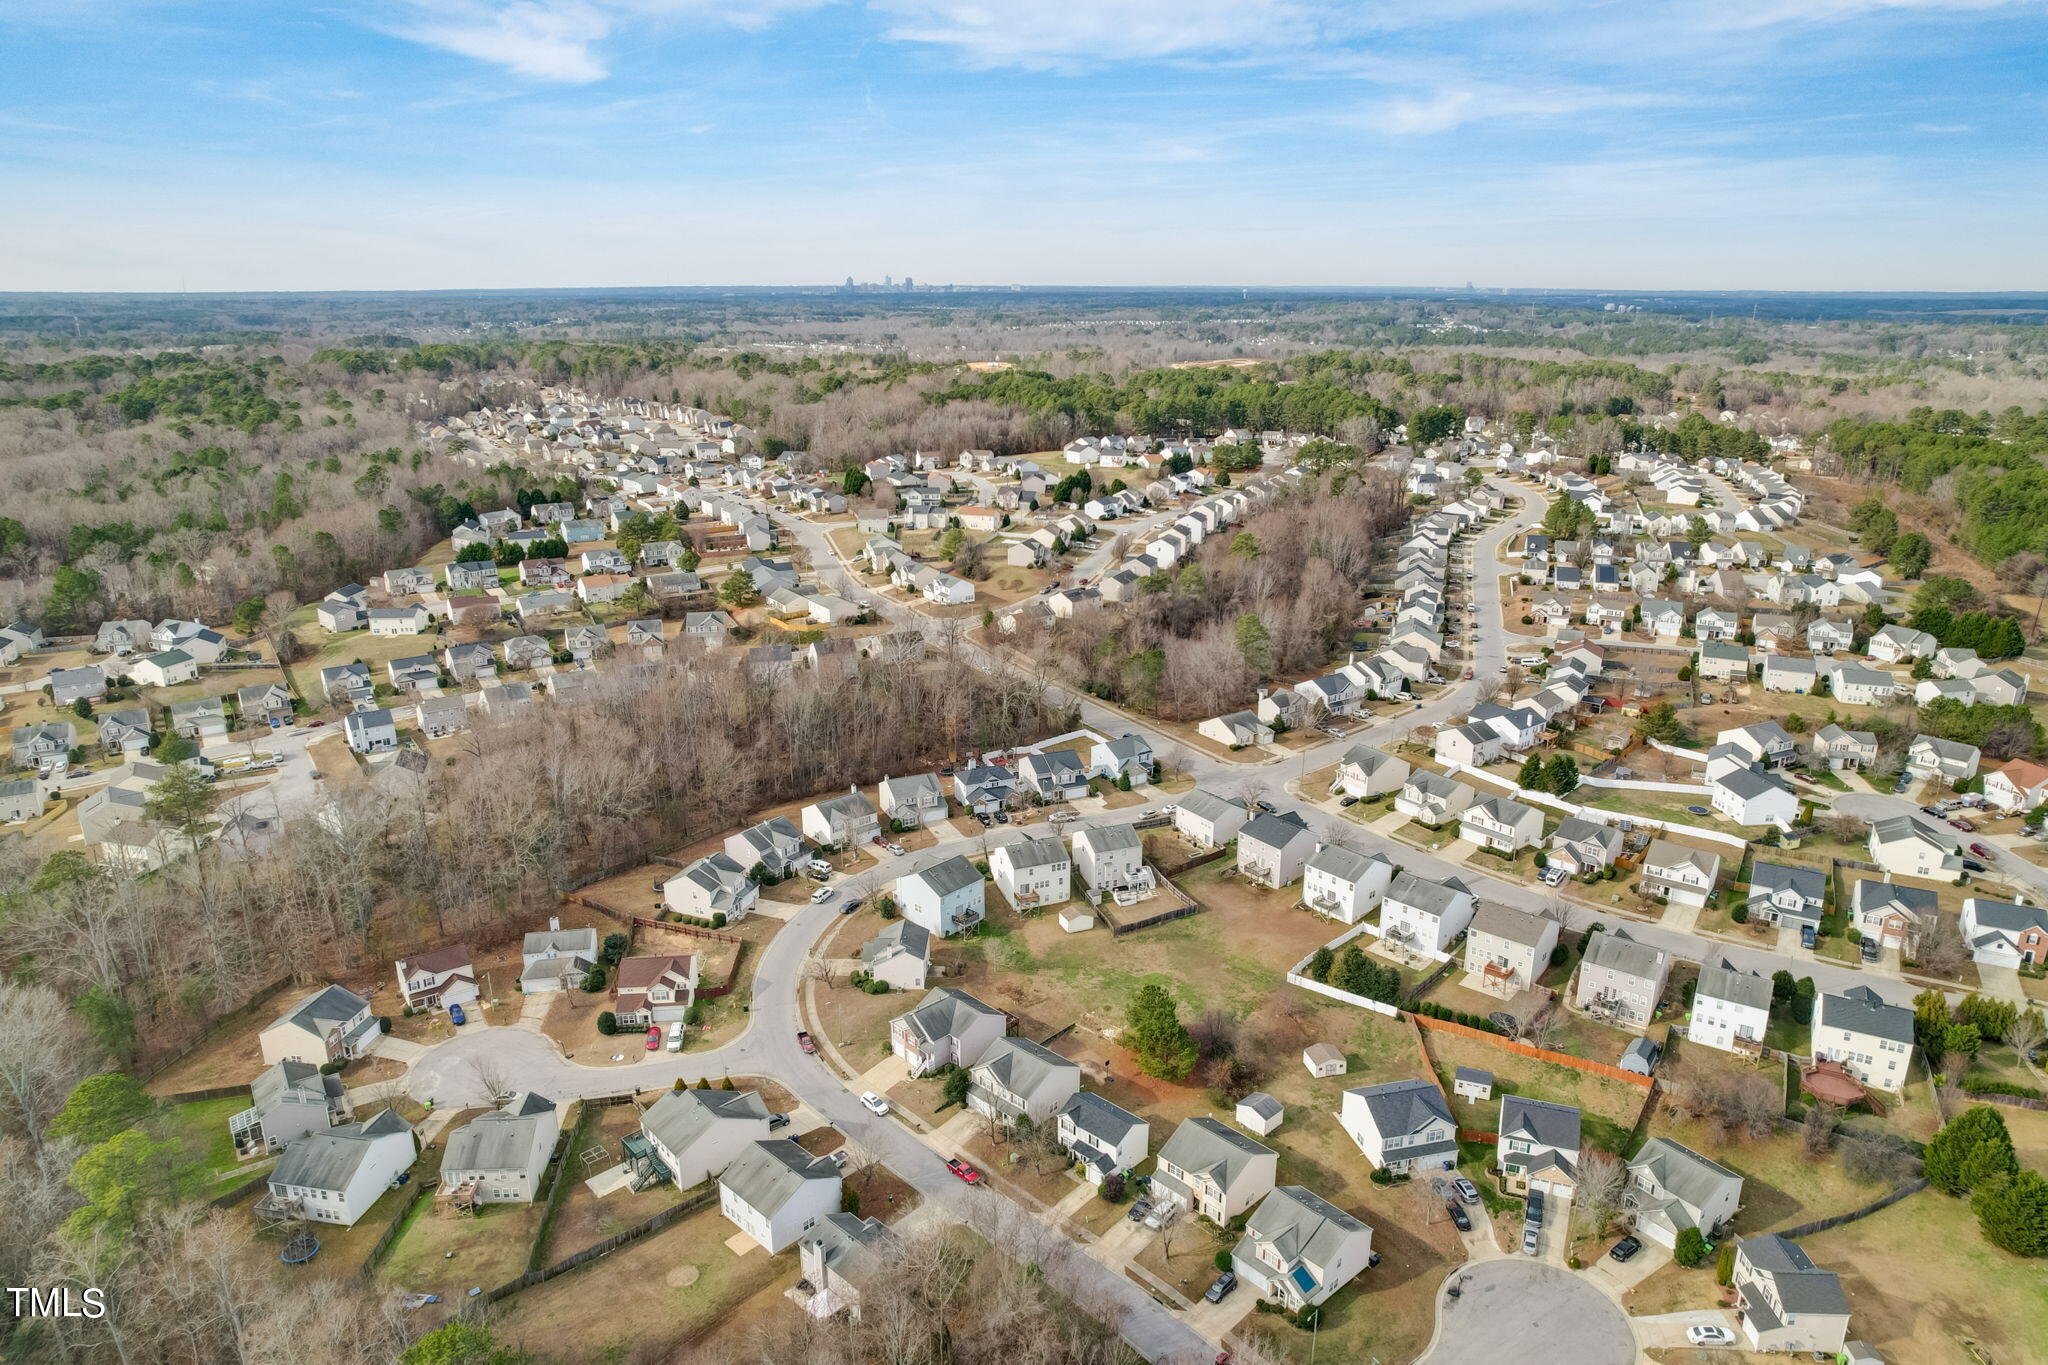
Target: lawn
(442, 1251)
(1609, 1108)
(1782, 1186)
(1922, 1283)
(1658, 807)
(202, 1128)
(583, 1217)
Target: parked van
(675, 1036)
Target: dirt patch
(682, 1277)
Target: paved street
(1514, 1311)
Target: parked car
(1937, 812)
(1532, 1239)
(894, 848)
(1964, 825)
(873, 1103)
(804, 1041)
(777, 1121)
(821, 895)
(1139, 1210)
(1626, 1248)
(1807, 937)
(1347, 802)
(1459, 1216)
(1002, 817)
(850, 904)
(654, 1038)
(963, 1170)
(1982, 850)
(1972, 865)
(1220, 1290)
(837, 1158)
(1552, 876)
(1467, 1191)
(1870, 949)
(675, 1036)
(456, 1016)
(1265, 807)
(1706, 1334)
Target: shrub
(383, 1023)
(886, 907)
(1724, 1264)
(408, 1011)
(1308, 1317)
(1574, 1263)
(694, 1014)
(1691, 1248)
(593, 980)
(1381, 1176)
(1740, 914)
(849, 1200)
(608, 1023)
(1223, 1259)
(1113, 1188)
(718, 920)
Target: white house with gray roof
(916, 800)
(1422, 915)
(1538, 1147)
(946, 1028)
(1273, 849)
(501, 1156)
(1103, 1137)
(1017, 1078)
(840, 821)
(1403, 1126)
(713, 885)
(1873, 1041)
(1731, 1008)
(1032, 872)
(1212, 1169)
(1111, 858)
(774, 1191)
(1432, 797)
(2005, 934)
(555, 958)
(1679, 872)
(1507, 950)
(286, 1102)
(331, 1024)
(901, 955)
(696, 1134)
(1126, 756)
(944, 898)
(837, 1255)
(1785, 1302)
(1207, 820)
(984, 789)
(1947, 759)
(1907, 847)
(335, 1176)
(1298, 1248)
(1499, 823)
(1671, 1188)
(1581, 846)
(1365, 771)
(776, 844)
(1343, 883)
(1620, 980)
(1780, 893)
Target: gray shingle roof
(1026, 1069)
(1036, 853)
(1272, 831)
(1431, 897)
(1209, 806)
(1201, 1145)
(1504, 921)
(679, 1118)
(1616, 950)
(767, 1175)
(1810, 882)
(327, 1008)
(1540, 1121)
(897, 937)
(1724, 980)
(1802, 1286)
(517, 1137)
(945, 1013)
(1299, 1225)
(1100, 1119)
(1861, 1010)
(1399, 1107)
(944, 878)
(328, 1161)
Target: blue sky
(1790, 144)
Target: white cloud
(1764, 13)
(1452, 107)
(992, 33)
(560, 40)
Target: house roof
(944, 878)
(1861, 1010)
(328, 1161)
(1617, 951)
(898, 937)
(1577, 829)
(1802, 1286)
(1035, 853)
(1516, 926)
(1665, 853)
(1685, 1176)
(327, 1008)
(1724, 980)
(1471, 1075)
(1540, 1121)
(767, 1175)
(454, 957)
(1344, 864)
(1109, 838)
(1025, 1068)
(293, 1076)
(1399, 1107)
(1420, 893)
(1203, 1146)
(1205, 805)
(945, 1013)
(1100, 1119)
(1272, 831)
(1810, 882)
(1300, 1226)
(847, 1243)
(517, 1137)
(680, 1117)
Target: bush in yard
(1156, 1034)
(1223, 1259)
(1724, 1264)
(1381, 1176)
(615, 946)
(886, 907)
(1972, 1149)
(593, 980)
(1308, 1317)
(2013, 1214)
(694, 1014)
(383, 1023)
(953, 1089)
(849, 1200)
(1112, 1191)
(1691, 1248)
(1319, 965)
(1740, 914)
(718, 920)
(608, 1023)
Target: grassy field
(448, 1253)
(202, 1128)
(1608, 1107)
(1922, 1283)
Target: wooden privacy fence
(590, 1253)
(218, 1092)
(2009, 1101)
(1540, 1054)
(239, 1192)
(676, 926)
(1911, 1187)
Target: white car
(1708, 1335)
(874, 1103)
(821, 895)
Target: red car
(963, 1170)
(654, 1039)
(1964, 825)
(1982, 850)
(805, 1041)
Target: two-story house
(913, 801)
(899, 955)
(436, 980)
(714, 885)
(1103, 1137)
(946, 1028)
(1433, 798)
(332, 1024)
(1621, 980)
(775, 844)
(1731, 1009)
(1508, 950)
(1581, 847)
(653, 988)
(774, 1191)
(692, 1135)
(1298, 1249)
(840, 1253)
(1111, 858)
(1344, 884)
(1273, 849)
(1785, 1302)
(945, 898)
(1894, 915)
(1018, 1079)
(336, 1175)
(555, 958)
(1869, 1039)
(286, 1102)
(1500, 824)
(1213, 1170)
(1780, 893)
(840, 821)
(500, 1157)
(1032, 872)
(1679, 873)
(1207, 820)
(1538, 1146)
(1671, 1188)
(2004, 934)
(1401, 1126)
(1367, 772)
(1425, 916)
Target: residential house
(1784, 1302)
(1720, 662)
(288, 1101)
(1425, 916)
(1825, 637)
(984, 788)
(1471, 745)
(838, 1253)
(1111, 858)
(1366, 772)
(45, 745)
(1753, 796)
(1767, 743)
(1906, 847)
(913, 801)
(1582, 847)
(694, 1135)
(1401, 1126)
(1344, 884)
(1671, 1188)
(400, 582)
(946, 1028)
(1500, 824)
(2015, 786)
(1783, 674)
(1032, 872)
(2001, 687)
(774, 1191)
(776, 845)
(501, 1157)
(130, 732)
(1207, 820)
(1846, 750)
(1237, 730)
(22, 799)
(1019, 1079)
(1433, 798)
(654, 989)
(1621, 980)
(371, 732)
(840, 821)
(1538, 1145)
(332, 1024)
(472, 575)
(1893, 915)
(410, 620)
(436, 980)
(1508, 950)
(900, 955)
(168, 669)
(1731, 1009)
(1298, 1249)
(1901, 644)
(555, 958)
(259, 704)
(2002, 934)
(1855, 685)
(413, 672)
(68, 685)
(1054, 775)
(712, 886)
(1213, 1170)
(1679, 873)
(1103, 1137)
(1869, 1039)
(1273, 849)
(1943, 759)
(336, 1175)
(1126, 757)
(945, 898)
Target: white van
(675, 1036)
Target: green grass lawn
(202, 1127)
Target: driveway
(1519, 1312)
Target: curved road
(1522, 1312)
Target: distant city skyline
(1886, 145)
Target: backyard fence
(590, 1253)
(688, 930)
(1119, 930)
(2009, 1101)
(218, 1092)
(1309, 983)
(1911, 1187)
(239, 1192)
(421, 1189)
(1197, 861)
(1540, 1054)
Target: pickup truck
(805, 1041)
